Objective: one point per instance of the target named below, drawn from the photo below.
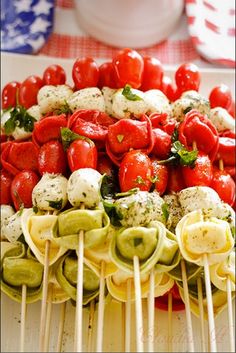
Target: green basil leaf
(55, 204)
(165, 211)
(109, 186)
(188, 158)
(128, 94)
(19, 117)
(68, 136)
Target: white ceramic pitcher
(129, 23)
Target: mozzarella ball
(84, 187)
(157, 102)
(11, 228)
(34, 111)
(222, 119)
(126, 108)
(50, 193)
(6, 212)
(188, 101)
(108, 94)
(87, 98)
(51, 98)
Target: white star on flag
(39, 25)
(22, 5)
(36, 44)
(42, 7)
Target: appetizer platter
(124, 170)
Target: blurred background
(174, 31)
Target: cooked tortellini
(198, 235)
(84, 187)
(220, 272)
(51, 98)
(50, 193)
(87, 98)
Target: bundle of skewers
(104, 222)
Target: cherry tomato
(162, 143)
(231, 109)
(21, 188)
(160, 174)
(107, 75)
(177, 303)
(175, 180)
(201, 174)
(54, 75)
(5, 194)
(187, 77)
(104, 164)
(152, 73)
(168, 88)
(9, 94)
(28, 91)
(220, 96)
(129, 66)
(52, 158)
(82, 153)
(85, 73)
(224, 185)
(135, 171)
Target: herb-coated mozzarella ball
(140, 208)
(11, 228)
(174, 210)
(108, 98)
(34, 111)
(51, 98)
(188, 101)
(87, 98)
(50, 193)
(84, 187)
(222, 119)
(198, 197)
(5, 116)
(6, 212)
(157, 101)
(128, 105)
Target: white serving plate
(18, 67)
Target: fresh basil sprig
(128, 94)
(180, 155)
(19, 117)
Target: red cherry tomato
(224, 185)
(85, 73)
(104, 164)
(135, 171)
(231, 109)
(168, 88)
(129, 66)
(175, 180)
(21, 188)
(28, 91)
(52, 158)
(220, 96)
(82, 153)
(187, 77)
(160, 173)
(177, 303)
(152, 73)
(9, 94)
(162, 143)
(201, 174)
(227, 150)
(54, 75)
(107, 76)
(5, 194)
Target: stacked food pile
(121, 186)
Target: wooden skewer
(151, 311)
(48, 318)
(44, 298)
(128, 316)
(138, 306)
(187, 308)
(23, 317)
(201, 312)
(210, 310)
(79, 295)
(90, 325)
(100, 323)
(61, 327)
(170, 302)
(230, 315)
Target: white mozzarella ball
(108, 94)
(6, 212)
(84, 187)
(188, 101)
(50, 193)
(11, 228)
(126, 108)
(87, 98)
(51, 98)
(34, 111)
(222, 119)
(157, 101)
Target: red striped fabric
(67, 4)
